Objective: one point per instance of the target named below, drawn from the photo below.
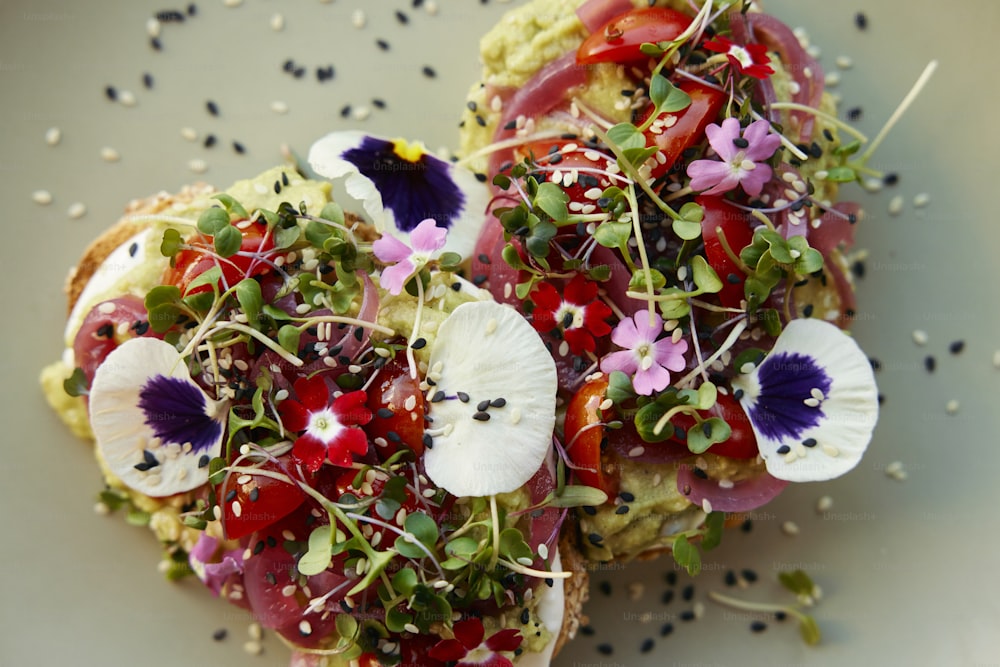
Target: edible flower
(751, 59)
(812, 402)
(577, 313)
(645, 359)
(215, 567)
(155, 428)
(329, 429)
(426, 238)
(493, 403)
(400, 184)
(743, 158)
(468, 648)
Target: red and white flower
(328, 429)
(750, 59)
(577, 313)
(469, 648)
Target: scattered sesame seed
(861, 21)
(220, 634)
(277, 22)
(790, 528)
(951, 407)
(153, 27)
(922, 199)
(232, 3)
(147, 80)
(77, 210)
(920, 337)
(279, 107)
(896, 205)
(895, 471)
(198, 166)
(43, 197)
(212, 107)
(758, 626)
(109, 154)
(824, 504)
(930, 363)
(253, 647)
(605, 649)
(189, 133)
(844, 62)
(53, 136)
(956, 346)
(358, 18)
(429, 72)
(127, 98)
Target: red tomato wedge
(583, 439)
(397, 407)
(559, 155)
(742, 443)
(689, 127)
(736, 226)
(250, 502)
(618, 41)
(191, 262)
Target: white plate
(907, 567)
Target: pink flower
(751, 60)
(646, 359)
(742, 158)
(426, 237)
(468, 649)
(577, 313)
(329, 430)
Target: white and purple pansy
(156, 429)
(812, 402)
(493, 402)
(400, 185)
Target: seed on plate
(358, 18)
(824, 504)
(951, 407)
(896, 205)
(198, 166)
(844, 62)
(189, 133)
(77, 210)
(279, 107)
(153, 27)
(277, 22)
(790, 528)
(43, 197)
(212, 107)
(956, 347)
(429, 71)
(895, 471)
(920, 337)
(431, 7)
(127, 98)
(232, 3)
(253, 647)
(53, 135)
(109, 154)
(922, 199)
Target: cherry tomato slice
(583, 439)
(618, 41)
(190, 263)
(689, 126)
(736, 225)
(742, 443)
(397, 407)
(553, 156)
(257, 502)
(107, 325)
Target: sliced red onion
(593, 14)
(744, 495)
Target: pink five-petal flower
(647, 360)
(743, 158)
(751, 59)
(427, 238)
(577, 313)
(468, 649)
(329, 430)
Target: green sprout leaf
(209, 277)
(213, 220)
(228, 241)
(574, 495)
(627, 136)
(161, 307)
(419, 528)
(553, 200)
(171, 243)
(842, 174)
(704, 276)
(707, 433)
(797, 581)
(638, 281)
(250, 298)
(667, 97)
(76, 383)
(232, 205)
(715, 522)
(320, 553)
(288, 338)
(619, 387)
(686, 229)
(613, 234)
(686, 555)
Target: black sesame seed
(239, 148)
(589, 509)
(111, 93)
(587, 630)
(472, 106)
(780, 615)
(667, 597)
(220, 634)
(392, 436)
(738, 394)
(271, 541)
(429, 71)
(419, 344)
(259, 547)
(210, 140)
(402, 17)
(525, 616)
(647, 645)
(212, 107)
(747, 526)
(808, 310)
(147, 80)
(827, 134)
(204, 460)
(861, 21)
(758, 626)
(481, 416)
(382, 44)
(483, 406)
(740, 142)
(231, 496)
(378, 103)
(154, 42)
(169, 16)
(666, 629)
(437, 397)
(891, 178)
(670, 578)
(730, 578)
(595, 539)
(687, 615)
(875, 364)
(428, 441)
(809, 442)
(626, 496)
(622, 509)
(854, 114)
(749, 575)
(687, 593)
(604, 587)
(784, 449)
(498, 402)
(605, 649)
(699, 473)
(930, 363)
(462, 396)
(956, 347)
(254, 494)
(105, 331)
(384, 413)
(288, 65)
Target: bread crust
(576, 589)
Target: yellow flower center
(411, 152)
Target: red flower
(468, 649)
(577, 313)
(328, 430)
(750, 59)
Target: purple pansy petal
(155, 428)
(427, 237)
(400, 185)
(805, 435)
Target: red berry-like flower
(750, 59)
(468, 649)
(577, 313)
(329, 430)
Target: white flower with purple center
(812, 402)
(156, 429)
(427, 238)
(743, 158)
(400, 185)
(647, 358)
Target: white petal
(325, 159)
(488, 351)
(850, 408)
(120, 425)
(551, 608)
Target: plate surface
(906, 566)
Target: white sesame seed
(189, 133)
(277, 22)
(358, 18)
(361, 113)
(895, 471)
(288, 535)
(102, 509)
(920, 337)
(896, 205)
(279, 107)
(77, 210)
(636, 451)
(232, 3)
(43, 197)
(431, 8)
(824, 504)
(831, 78)
(790, 528)
(996, 359)
(951, 407)
(748, 367)
(198, 166)
(706, 506)
(253, 647)
(109, 154)
(53, 135)
(127, 98)
(922, 199)
(410, 627)
(811, 402)
(844, 62)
